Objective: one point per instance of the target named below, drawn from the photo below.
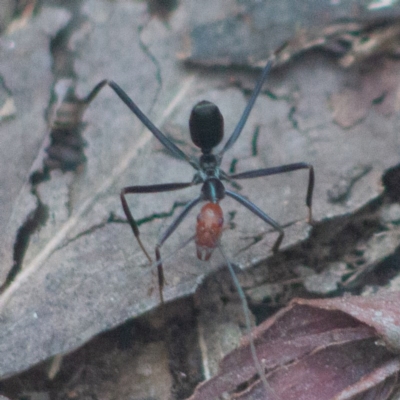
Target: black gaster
(206, 126)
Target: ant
(206, 127)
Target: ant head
(206, 126)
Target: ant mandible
(206, 126)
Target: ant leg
(165, 236)
(146, 189)
(261, 214)
(95, 91)
(175, 150)
(132, 222)
(282, 169)
(256, 91)
(239, 127)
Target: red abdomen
(209, 229)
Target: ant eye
(206, 126)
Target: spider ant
(206, 126)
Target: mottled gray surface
(83, 274)
(25, 70)
(246, 32)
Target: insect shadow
(206, 127)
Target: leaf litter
(321, 349)
(110, 246)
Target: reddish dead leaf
(340, 348)
(350, 106)
(379, 86)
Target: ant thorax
(208, 168)
(213, 190)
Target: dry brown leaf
(337, 348)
